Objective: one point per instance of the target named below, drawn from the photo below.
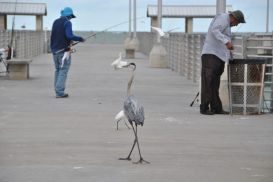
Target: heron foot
(127, 158)
(141, 161)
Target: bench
(18, 69)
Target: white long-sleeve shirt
(218, 35)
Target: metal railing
(26, 44)
(184, 50)
(184, 53)
(258, 46)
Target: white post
(267, 17)
(158, 56)
(220, 6)
(159, 17)
(45, 42)
(159, 13)
(130, 17)
(131, 43)
(135, 24)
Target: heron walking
(134, 112)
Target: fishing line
(94, 34)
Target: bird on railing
(161, 33)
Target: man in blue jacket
(61, 39)
(215, 52)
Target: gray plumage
(133, 110)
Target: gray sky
(101, 14)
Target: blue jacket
(62, 35)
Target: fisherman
(61, 38)
(215, 53)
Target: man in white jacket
(216, 51)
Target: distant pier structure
(189, 12)
(27, 9)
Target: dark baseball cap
(238, 15)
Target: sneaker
(207, 112)
(62, 96)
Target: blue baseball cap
(67, 12)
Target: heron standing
(134, 113)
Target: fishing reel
(71, 50)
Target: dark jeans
(212, 69)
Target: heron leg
(129, 156)
(117, 123)
(141, 160)
(127, 125)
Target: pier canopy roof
(182, 11)
(19, 8)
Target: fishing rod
(10, 49)
(94, 34)
(13, 23)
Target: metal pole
(135, 24)
(159, 17)
(130, 17)
(45, 43)
(220, 6)
(159, 13)
(267, 17)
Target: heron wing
(133, 110)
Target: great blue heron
(134, 113)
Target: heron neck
(130, 83)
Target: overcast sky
(100, 14)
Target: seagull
(119, 117)
(118, 63)
(65, 57)
(159, 31)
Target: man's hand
(229, 46)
